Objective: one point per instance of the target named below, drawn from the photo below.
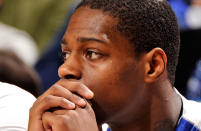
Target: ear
(156, 61)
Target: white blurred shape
(193, 16)
(19, 42)
(105, 127)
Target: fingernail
(72, 105)
(91, 94)
(82, 102)
(68, 104)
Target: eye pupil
(90, 53)
(65, 55)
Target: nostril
(70, 77)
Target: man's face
(103, 60)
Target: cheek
(113, 85)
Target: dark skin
(127, 92)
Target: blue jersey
(191, 116)
(190, 119)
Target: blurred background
(33, 30)
(188, 75)
(30, 32)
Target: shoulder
(9, 90)
(192, 112)
(14, 107)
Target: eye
(66, 54)
(93, 55)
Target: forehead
(91, 21)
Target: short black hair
(146, 23)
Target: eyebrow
(90, 39)
(84, 40)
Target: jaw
(133, 113)
(100, 114)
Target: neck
(162, 113)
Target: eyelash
(89, 54)
(64, 53)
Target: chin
(101, 115)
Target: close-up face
(103, 59)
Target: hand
(59, 95)
(80, 119)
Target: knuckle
(55, 88)
(76, 86)
(70, 95)
(62, 100)
(38, 100)
(72, 113)
(47, 99)
(75, 97)
(45, 114)
(90, 110)
(63, 120)
(65, 117)
(31, 110)
(33, 107)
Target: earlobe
(155, 66)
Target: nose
(71, 69)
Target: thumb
(48, 121)
(89, 108)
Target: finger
(63, 112)
(77, 87)
(35, 124)
(48, 120)
(87, 108)
(51, 102)
(58, 90)
(56, 122)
